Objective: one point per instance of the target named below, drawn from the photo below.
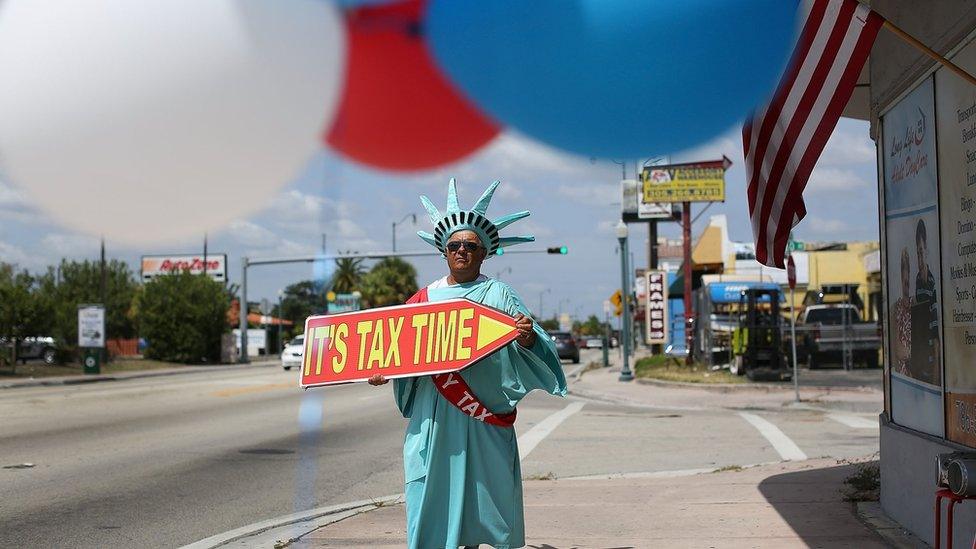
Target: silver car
(292, 355)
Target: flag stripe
(777, 116)
(794, 201)
(783, 140)
(807, 110)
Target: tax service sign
(402, 341)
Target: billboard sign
(157, 265)
(690, 182)
(91, 325)
(656, 309)
(402, 341)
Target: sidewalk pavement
(791, 504)
(134, 374)
(603, 384)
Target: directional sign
(402, 341)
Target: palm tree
(348, 274)
(390, 282)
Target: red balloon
(398, 111)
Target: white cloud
(14, 255)
(849, 147)
(834, 180)
(252, 235)
(12, 197)
(834, 229)
(596, 194)
(60, 245)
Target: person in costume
(463, 481)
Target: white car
(292, 355)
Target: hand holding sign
(405, 341)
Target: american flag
(783, 139)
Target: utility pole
(686, 236)
(412, 216)
(204, 254)
(242, 320)
(625, 373)
(104, 304)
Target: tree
(21, 311)
(551, 324)
(592, 326)
(390, 282)
(183, 316)
(300, 301)
(81, 282)
(348, 274)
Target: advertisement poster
(691, 182)
(913, 251)
(657, 306)
(157, 265)
(91, 326)
(957, 192)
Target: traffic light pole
(625, 373)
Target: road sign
(618, 303)
(402, 341)
(92, 360)
(791, 272)
(91, 326)
(690, 182)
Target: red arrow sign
(790, 271)
(402, 341)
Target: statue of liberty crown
(455, 219)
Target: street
(166, 461)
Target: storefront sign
(156, 265)
(956, 129)
(402, 341)
(91, 325)
(692, 182)
(656, 309)
(913, 261)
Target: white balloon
(149, 121)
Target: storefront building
(923, 121)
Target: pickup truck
(824, 339)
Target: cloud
(849, 146)
(596, 194)
(15, 255)
(832, 180)
(70, 245)
(834, 229)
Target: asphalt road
(161, 462)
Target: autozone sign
(157, 265)
(657, 307)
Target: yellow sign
(693, 182)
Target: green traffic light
(563, 250)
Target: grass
(36, 368)
(864, 484)
(665, 369)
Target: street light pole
(280, 346)
(412, 216)
(242, 320)
(625, 373)
(542, 293)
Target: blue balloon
(614, 78)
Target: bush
(183, 316)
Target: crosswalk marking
(856, 422)
(786, 448)
(531, 438)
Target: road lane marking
(237, 391)
(854, 421)
(531, 438)
(786, 448)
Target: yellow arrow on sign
(491, 330)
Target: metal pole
(394, 236)
(625, 373)
(686, 235)
(606, 343)
(103, 350)
(796, 377)
(242, 321)
(280, 346)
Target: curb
(347, 509)
(766, 388)
(79, 380)
(873, 516)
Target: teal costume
(462, 476)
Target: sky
(574, 202)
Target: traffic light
(563, 250)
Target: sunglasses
(456, 245)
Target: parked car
(42, 347)
(824, 337)
(292, 355)
(566, 346)
(594, 343)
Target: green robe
(462, 476)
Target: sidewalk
(783, 505)
(603, 384)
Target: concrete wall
(908, 484)
(908, 457)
